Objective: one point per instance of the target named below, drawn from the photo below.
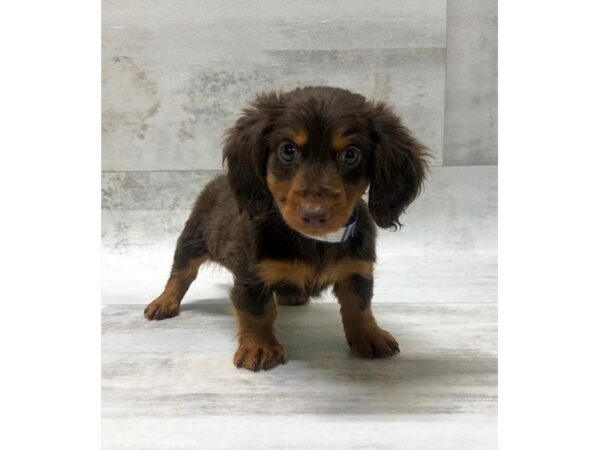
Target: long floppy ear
(246, 153)
(398, 167)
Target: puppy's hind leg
(189, 256)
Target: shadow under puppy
(288, 219)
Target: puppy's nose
(314, 215)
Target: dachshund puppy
(288, 219)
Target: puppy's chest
(310, 275)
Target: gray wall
(176, 73)
(471, 130)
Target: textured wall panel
(471, 130)
(176, 74)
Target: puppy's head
(314, 151)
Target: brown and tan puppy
(288, 219)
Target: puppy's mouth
(314, 219)
(311, 215)
(314, 216)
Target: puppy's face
(314, 151)
(316, 175)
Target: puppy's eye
(350, 156)
(288, 152)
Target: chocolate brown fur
(250, 219)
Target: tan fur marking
(258, 347)
(342, 201)
(272, 271)
(180, 280)
(167, 304)
(299, 136)
(352, 316)
(361, 330)
(257, 326)
(339, 142)
(355, 191)
(279, 189)
(346, 267)
(302, 274)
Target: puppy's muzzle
(313, 215)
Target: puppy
(288, 219)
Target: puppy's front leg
(362, 332)
(167, 304)
(255, 309)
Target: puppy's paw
(372, 342)
(256, 354)
(162, 308)
(292, 300)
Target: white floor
(172, 385)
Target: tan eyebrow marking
(299, 136)
(339, 142)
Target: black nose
(314, 215)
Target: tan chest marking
(302, 274)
